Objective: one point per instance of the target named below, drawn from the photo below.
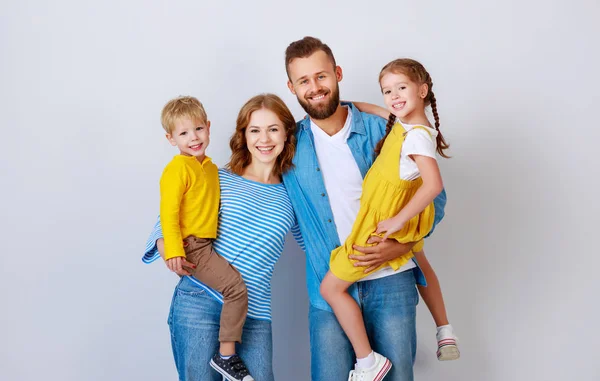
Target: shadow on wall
(291, 357)
(490, 181)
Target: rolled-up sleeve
(151, 254)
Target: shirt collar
(357, 126)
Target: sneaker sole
(448, 352)
(384, 371)
(223, 373)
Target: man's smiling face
(314, 81)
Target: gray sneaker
(232, 369)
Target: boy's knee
(240, 288)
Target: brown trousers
(214, 271)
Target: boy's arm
(370, 108)
(172, 188)
(155, 248)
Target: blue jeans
(194, 324)
(389, 310)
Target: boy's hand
(178, 264)
(160, 245)
(389, 226)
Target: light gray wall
(81, 88)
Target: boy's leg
(214, 271)
(389, 309)
(331, 354)
(218, 274)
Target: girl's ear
(423, 91)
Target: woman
(254, 217)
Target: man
(335, 148)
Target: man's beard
(322, 111)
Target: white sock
(444, 332)
(366, 362)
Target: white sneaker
(447, 344)
(375, 373)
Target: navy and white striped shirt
(254, 219)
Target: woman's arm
(370, 108)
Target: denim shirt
(306, 188)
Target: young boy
(189, 207)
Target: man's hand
(178, 266)
(382, 252)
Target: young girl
(396, 203)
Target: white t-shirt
(416, 142)
(343, 182)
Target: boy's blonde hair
(182, 107)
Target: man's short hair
(304, 48)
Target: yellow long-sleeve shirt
(189, 202)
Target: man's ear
(170, 139)
(338, 73)
(291, 87)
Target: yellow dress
(384, 195)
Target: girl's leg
(348, 313)
(432, 294)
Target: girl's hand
(389, 226)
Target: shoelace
(356, 376)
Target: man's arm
(391, 249)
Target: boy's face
(191, 137)
(314, 81)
